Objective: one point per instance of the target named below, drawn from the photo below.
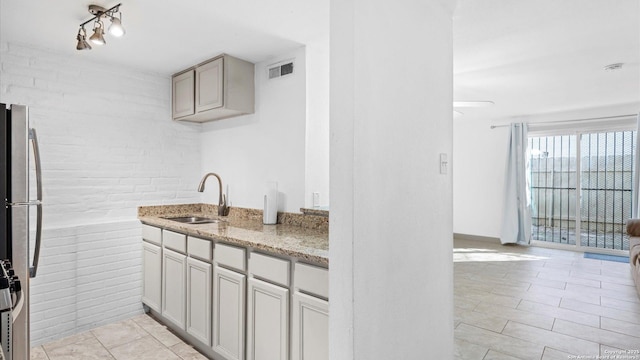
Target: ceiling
(527, 56)
(168, 36)
(545, 56)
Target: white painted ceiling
(527, 56)
(545, 56)
(167, 36)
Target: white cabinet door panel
(267, 321)
(183, 94)
(199, 300)
(152, 282)
(228, 308)
(209, 81)
(173, 286)
(310, 328)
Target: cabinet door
(267, 321)
(228, 310)
(199, 300)
(309, 328)
(209, 81)
(173, 286)
(152, 281)
(183, 94)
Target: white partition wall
(391, 273)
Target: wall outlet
(316, 199)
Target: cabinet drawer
(152, 234)
(200, 248)
(231, 256)
(311, 279)
(269, 268)
(175, 241)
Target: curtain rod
(568, 121)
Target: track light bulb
(116, 28)
(98, 35)
(82, 40)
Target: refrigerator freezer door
(20, 223)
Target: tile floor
(139, 338)
(514, 302)
(511, 302)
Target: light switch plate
(444, 164)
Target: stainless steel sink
(192, 220)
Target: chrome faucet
(223, 210)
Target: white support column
(391, 267)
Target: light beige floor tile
(541, 298)
(599, 336)
(552, 283)
(88, 349)
(620, 304)
(560, 313)
(481, 320)
(146, 322)
(37, 353)
(508, 301)
(68, 341)
(620, 289)
(525, 317)
(553, 354)
(588, 291)
(464, 302)
(119, 333)
(164, 335)
(599, 310)
(619, 326)
(146, 348)
(548, 338)
(494, 355)
(569, 279)
(586, 296)
(499, 342)
(620, 280)
(187, 352)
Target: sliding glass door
(582, 188)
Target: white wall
(391, 210)
(479, 162)
(269, 145)
(108, 146)
(317, 132)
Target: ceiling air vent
(281, 69)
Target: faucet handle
(223, 209)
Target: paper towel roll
(270, 213)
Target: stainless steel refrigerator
(19, 161)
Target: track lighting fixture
(99, 13)
(82, 40)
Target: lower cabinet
(309, 328)
(173, 287)
(199, 300)
(267, 321)
(152, 281)
(228, 309)
(234, 303)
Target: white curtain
(636, 185)
(516, 213)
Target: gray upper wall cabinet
(219, 88)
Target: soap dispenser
(270, 213)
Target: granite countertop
(244, 230)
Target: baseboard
(476, 238)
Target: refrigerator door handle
(33, 269)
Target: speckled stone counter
(243, 227)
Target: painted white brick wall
(108, 146)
